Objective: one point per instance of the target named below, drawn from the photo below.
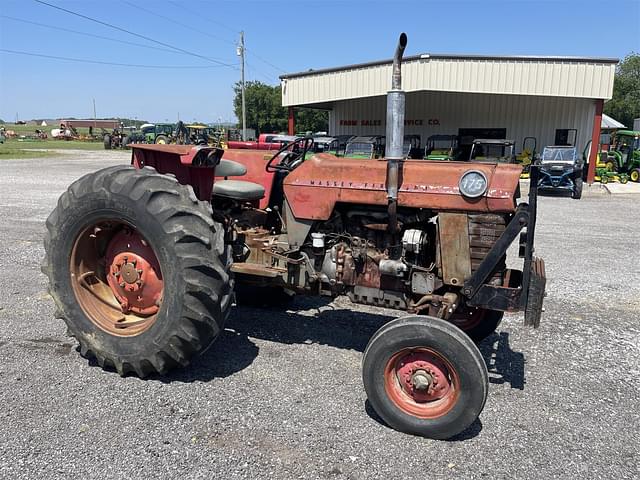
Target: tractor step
(536, 294)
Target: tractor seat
(229, 168)
(238, 190)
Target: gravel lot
(280, 394)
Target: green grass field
(30, 129)
(15, 148)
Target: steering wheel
(291, 155)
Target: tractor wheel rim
(635, 176)
(421, 382)
(116, 278)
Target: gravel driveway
(280, 394)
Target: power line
(199, 15)
(184, 25)
(136, 34)
(53, 27)
(266, 77)
(99, 62)
(265, 61)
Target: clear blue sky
(281, 36)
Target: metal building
(555, 99)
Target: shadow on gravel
(231, 353)
(340, 328)
(504, 365)
(472, 431)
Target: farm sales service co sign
(378, 123)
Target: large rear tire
(106, 140)
(425, 376)
(170, 296)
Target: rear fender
(191, 165)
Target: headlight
(473, 184)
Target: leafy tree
(625, 104)
(266, 114)
(311, 120)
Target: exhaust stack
(395, 133)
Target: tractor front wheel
(162, 140)
(425, 376)
(634, 175)
(138, 269)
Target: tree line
(625, 104)
(265, 113)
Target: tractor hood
(323, 180)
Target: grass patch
(14, 143)
(16, 153)
(13, 148)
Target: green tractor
(624, 156)
(160, 133)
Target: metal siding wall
(555, 78)
(521, 115)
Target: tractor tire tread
(203, 272)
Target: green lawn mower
(624, 156)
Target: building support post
(292, 122)
(595, 141)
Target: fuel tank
(323, 180)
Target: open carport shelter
(557, 100)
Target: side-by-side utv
(143, 260)
(561, 171)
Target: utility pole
(240, 53)
(94, 113)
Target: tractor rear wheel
(425, 376)
(138, 269)
(477, 323)
(634, 175)
(106, 140)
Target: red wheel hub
(423, 377)
(134, 273)
(421, 382)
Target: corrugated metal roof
(608, 122)
(515, 75)
(453, 56)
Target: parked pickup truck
(266, 141)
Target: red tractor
(143, 260)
